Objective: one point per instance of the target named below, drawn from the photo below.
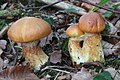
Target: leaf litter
(110, 43)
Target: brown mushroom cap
(91, 22)
(73, 31)
(29, 29)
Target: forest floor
(13, 65)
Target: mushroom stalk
(75, 51)
(34, 54)
(92, 48)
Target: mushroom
(92, 23)
(74, 45)
(28, 31)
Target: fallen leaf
(115, 73)
(117, 24)
(43, 78)
(117, 48)
(107, 48)
(46, 40)
(55, 57)
(64, 77)
(18, 73)
(3, 44)
(112, 30)
(82, 75)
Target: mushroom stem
(34, 54)
(92, 48)
(75, 51)
(89, 52)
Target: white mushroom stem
(75, 51)
(92, 48)
(34, 54)
(89, 52)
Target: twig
(57, 76)
(94, 64)
(118, 12)
(59, 70)
(39, 7)
(50, 4)
(65, 5)
(53, 68)
(62, 67)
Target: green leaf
(108, 14)
(103, 2)
(70, 10)
(105, 75)
(114, 6)
(49, 20)
(99, 77)
(107, 27)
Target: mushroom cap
(74, 31)
(91, 22)
(29, 29)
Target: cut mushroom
(28, 31)
(92, 23)
(74, 46)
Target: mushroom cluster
(28, 31)
(91, 24)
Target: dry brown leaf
(46, 40)
(82, 75)
(115, 73)
(111, 43)
(109, 49)
(117, 48)
(43, 78)
(64, 77)
(18, 73)
(55, 57)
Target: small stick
(57, 76)
(52, 68)
(64, 5)
(118, 12)
(50, 4)
(60, 70)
